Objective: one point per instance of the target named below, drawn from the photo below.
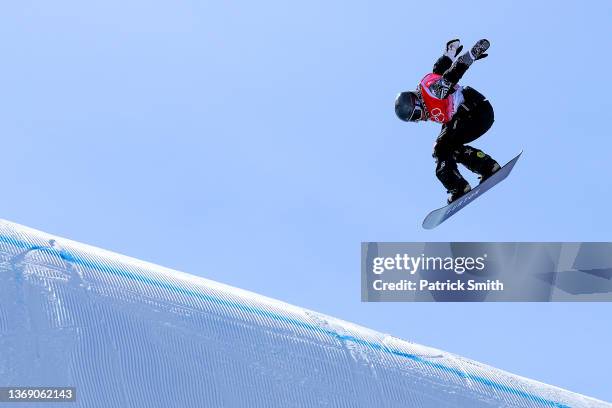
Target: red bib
(439, 110)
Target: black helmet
(408, 106)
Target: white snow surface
(127, 333)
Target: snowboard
(437, 217)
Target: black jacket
(451, 74)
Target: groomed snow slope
(131, 334)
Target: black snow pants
(472, 120)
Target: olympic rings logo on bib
(437, 115)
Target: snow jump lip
(121, 269)
(67, 256)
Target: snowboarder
(465, 115)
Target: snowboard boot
(485, 175)
(457, 193)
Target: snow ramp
(126, 333)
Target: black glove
(478, 50)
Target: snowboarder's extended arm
(453, 48)
(453, 71)
(461, 64)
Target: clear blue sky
(260, 137)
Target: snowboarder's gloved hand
(453, 48)
(478, 50)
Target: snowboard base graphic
(437, 217)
